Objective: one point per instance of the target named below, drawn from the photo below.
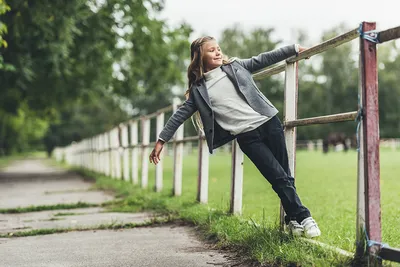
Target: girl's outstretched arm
(180, 116)
(266, 59)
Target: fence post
(88, 154)
(78, 155)
(290, 113)
(114, 153)
(202, 184)
(237, 179)
(159, 167)
(135, 157)
(100, 153)
(117, 154)
(145, 151)
(81, 154)
(93, 152)
(360, 224)
(107, 153)
(95, 156)
(104, 162)
(370, 181)
(178, 155)
(86, 149)
(125, 153)
(84, 154)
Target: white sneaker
(311, 228)
(295, 228)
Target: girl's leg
(253, 145)
(273, 136)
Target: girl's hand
(155, 154)
(301, 49)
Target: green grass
(77, 205)
(110, 226)
(6, 160)
(60, 214)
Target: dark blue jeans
(266, 148)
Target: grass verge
(112, 226)
(61, 214)
(49, 207)
(6, 160)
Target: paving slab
(153, 247)
(78, 219)
(32, 183)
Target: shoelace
(296, 224)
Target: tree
(3, 30)
(67, 52)
(84, 118)
(389, 90)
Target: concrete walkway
(32, 183)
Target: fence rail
(317, 49)
(389, 34)
(323, 119)
(113, 152)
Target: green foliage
(21, 131)
(67, 55)
(84, 118)
(3, 30)
(389, 90)
(3, 27)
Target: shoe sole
(312, 235)
(297, 233)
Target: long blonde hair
(196, 71)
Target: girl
(229, 106)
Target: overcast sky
(314, 16)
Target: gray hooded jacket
(239, 71)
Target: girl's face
(212, 55)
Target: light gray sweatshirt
(231, 110)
